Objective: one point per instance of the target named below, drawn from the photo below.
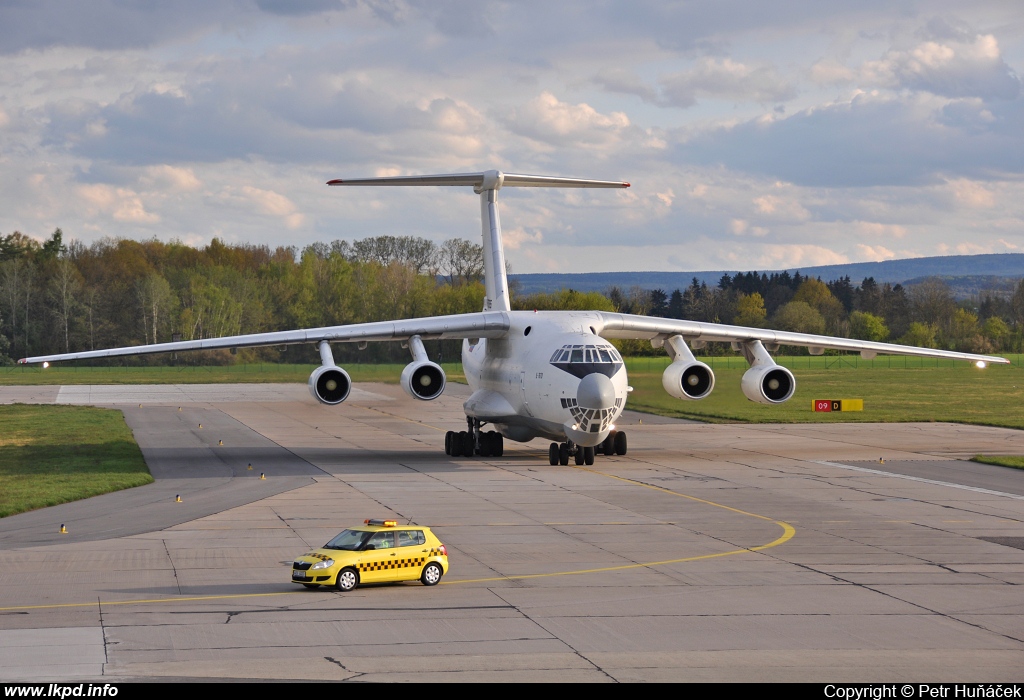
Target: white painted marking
(923, 481)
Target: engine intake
(688, 380)
(768, 384)
(423, 380)
(330, 385)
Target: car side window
(411, 538)
(381, 540)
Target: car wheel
(348, 579)
(553, 454)
(311, 585)
(431, 574)
(620, 443)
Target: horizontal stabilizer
(488, 180)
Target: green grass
(57, 454)
(921, 391)
(1015, 461)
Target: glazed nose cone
(595, 391)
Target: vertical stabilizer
(495, 280)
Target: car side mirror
(368, 547)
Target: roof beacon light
(384, 523)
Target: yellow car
(380, 551)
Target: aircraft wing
(628, 326)
(487, 324)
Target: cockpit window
(586, 353)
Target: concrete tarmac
(708, 553)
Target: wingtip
(625, 184)
(23, 361)
(335, 182)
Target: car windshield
(350, 540)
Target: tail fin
(486, 184)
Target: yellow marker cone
(220, 442)
(177, 499)
(140, 405)
(641, 421)
(200, 426)
(179, 408)
(263, 477)
(63, 530)
(881, 460)
(250, 466)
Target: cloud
(515, 238)
(871, 139)
(119, 203)
(725, 79)
(546, 118)
(879, 230)
(955, 66)
(721, 79)
(972, 194)
(109, 24)
(875, 253)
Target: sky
(755, 135)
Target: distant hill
(966, 274)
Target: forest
(66, 297)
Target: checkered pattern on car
(393, 564)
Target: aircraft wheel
(608, 446)
(466, 440)
(578, 457)
(448, 442)
(553, 454)
(588, 455)
(498, 444)
(486, 445)
(563, 454)
(620, 443)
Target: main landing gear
(614, 444)
(474, 441)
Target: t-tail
(486, 184)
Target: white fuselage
(528, 384)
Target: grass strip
(58, 454)
(1015, 461)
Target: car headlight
(325, 564)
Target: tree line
(57, 297)
(924, 314)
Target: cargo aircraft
(539, 374)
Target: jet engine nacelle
(330, 385)
(768, 384)
(423, 380)
(688, 380)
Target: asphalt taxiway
(709, 552)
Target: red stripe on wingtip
(334, 182)
(22, 361)
(625, 184)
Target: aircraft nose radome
(595, 391)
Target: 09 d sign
(834, 405)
